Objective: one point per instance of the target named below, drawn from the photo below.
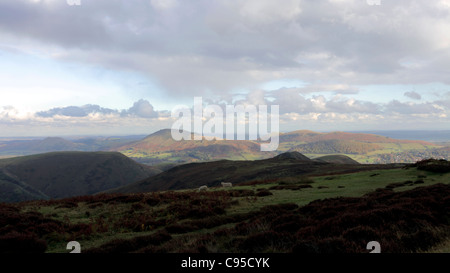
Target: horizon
(104, 68)
(420, 135)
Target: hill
(64, 174)
(15, 147)
(336, 146)
(361, 147)
(287, 165)
(160, 147)
(35, 146)
(292, 155)
(310, 136)
(337, 159)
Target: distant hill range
(65, 174)
(365, 148)
(287, 165)
(160, 149)
(15, 147)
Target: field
(405, 209)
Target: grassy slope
(111, 220)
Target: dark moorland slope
(64, 174)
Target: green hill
(64, 174)
(337, 159)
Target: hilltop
(337, 159)
(292, 155)
(65, 174)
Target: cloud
(408, 108)
(76, 111)
(214, 48)
(205, 47)
(143, 109)
(413, 95)
(87, 119)
(316, 112)
(292, 101)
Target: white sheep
(226, 184)
(203, 188)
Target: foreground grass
(346, 185)
(187, 220)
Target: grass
(347, 185)
(123, 218)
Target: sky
(111, 67)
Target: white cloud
(213, 48)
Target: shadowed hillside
(194, 175)
(64, 174)
(12, 190)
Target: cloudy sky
(119, 67)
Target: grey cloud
(141, 108)
(215, 46)
(75, 111)
(413, 95)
